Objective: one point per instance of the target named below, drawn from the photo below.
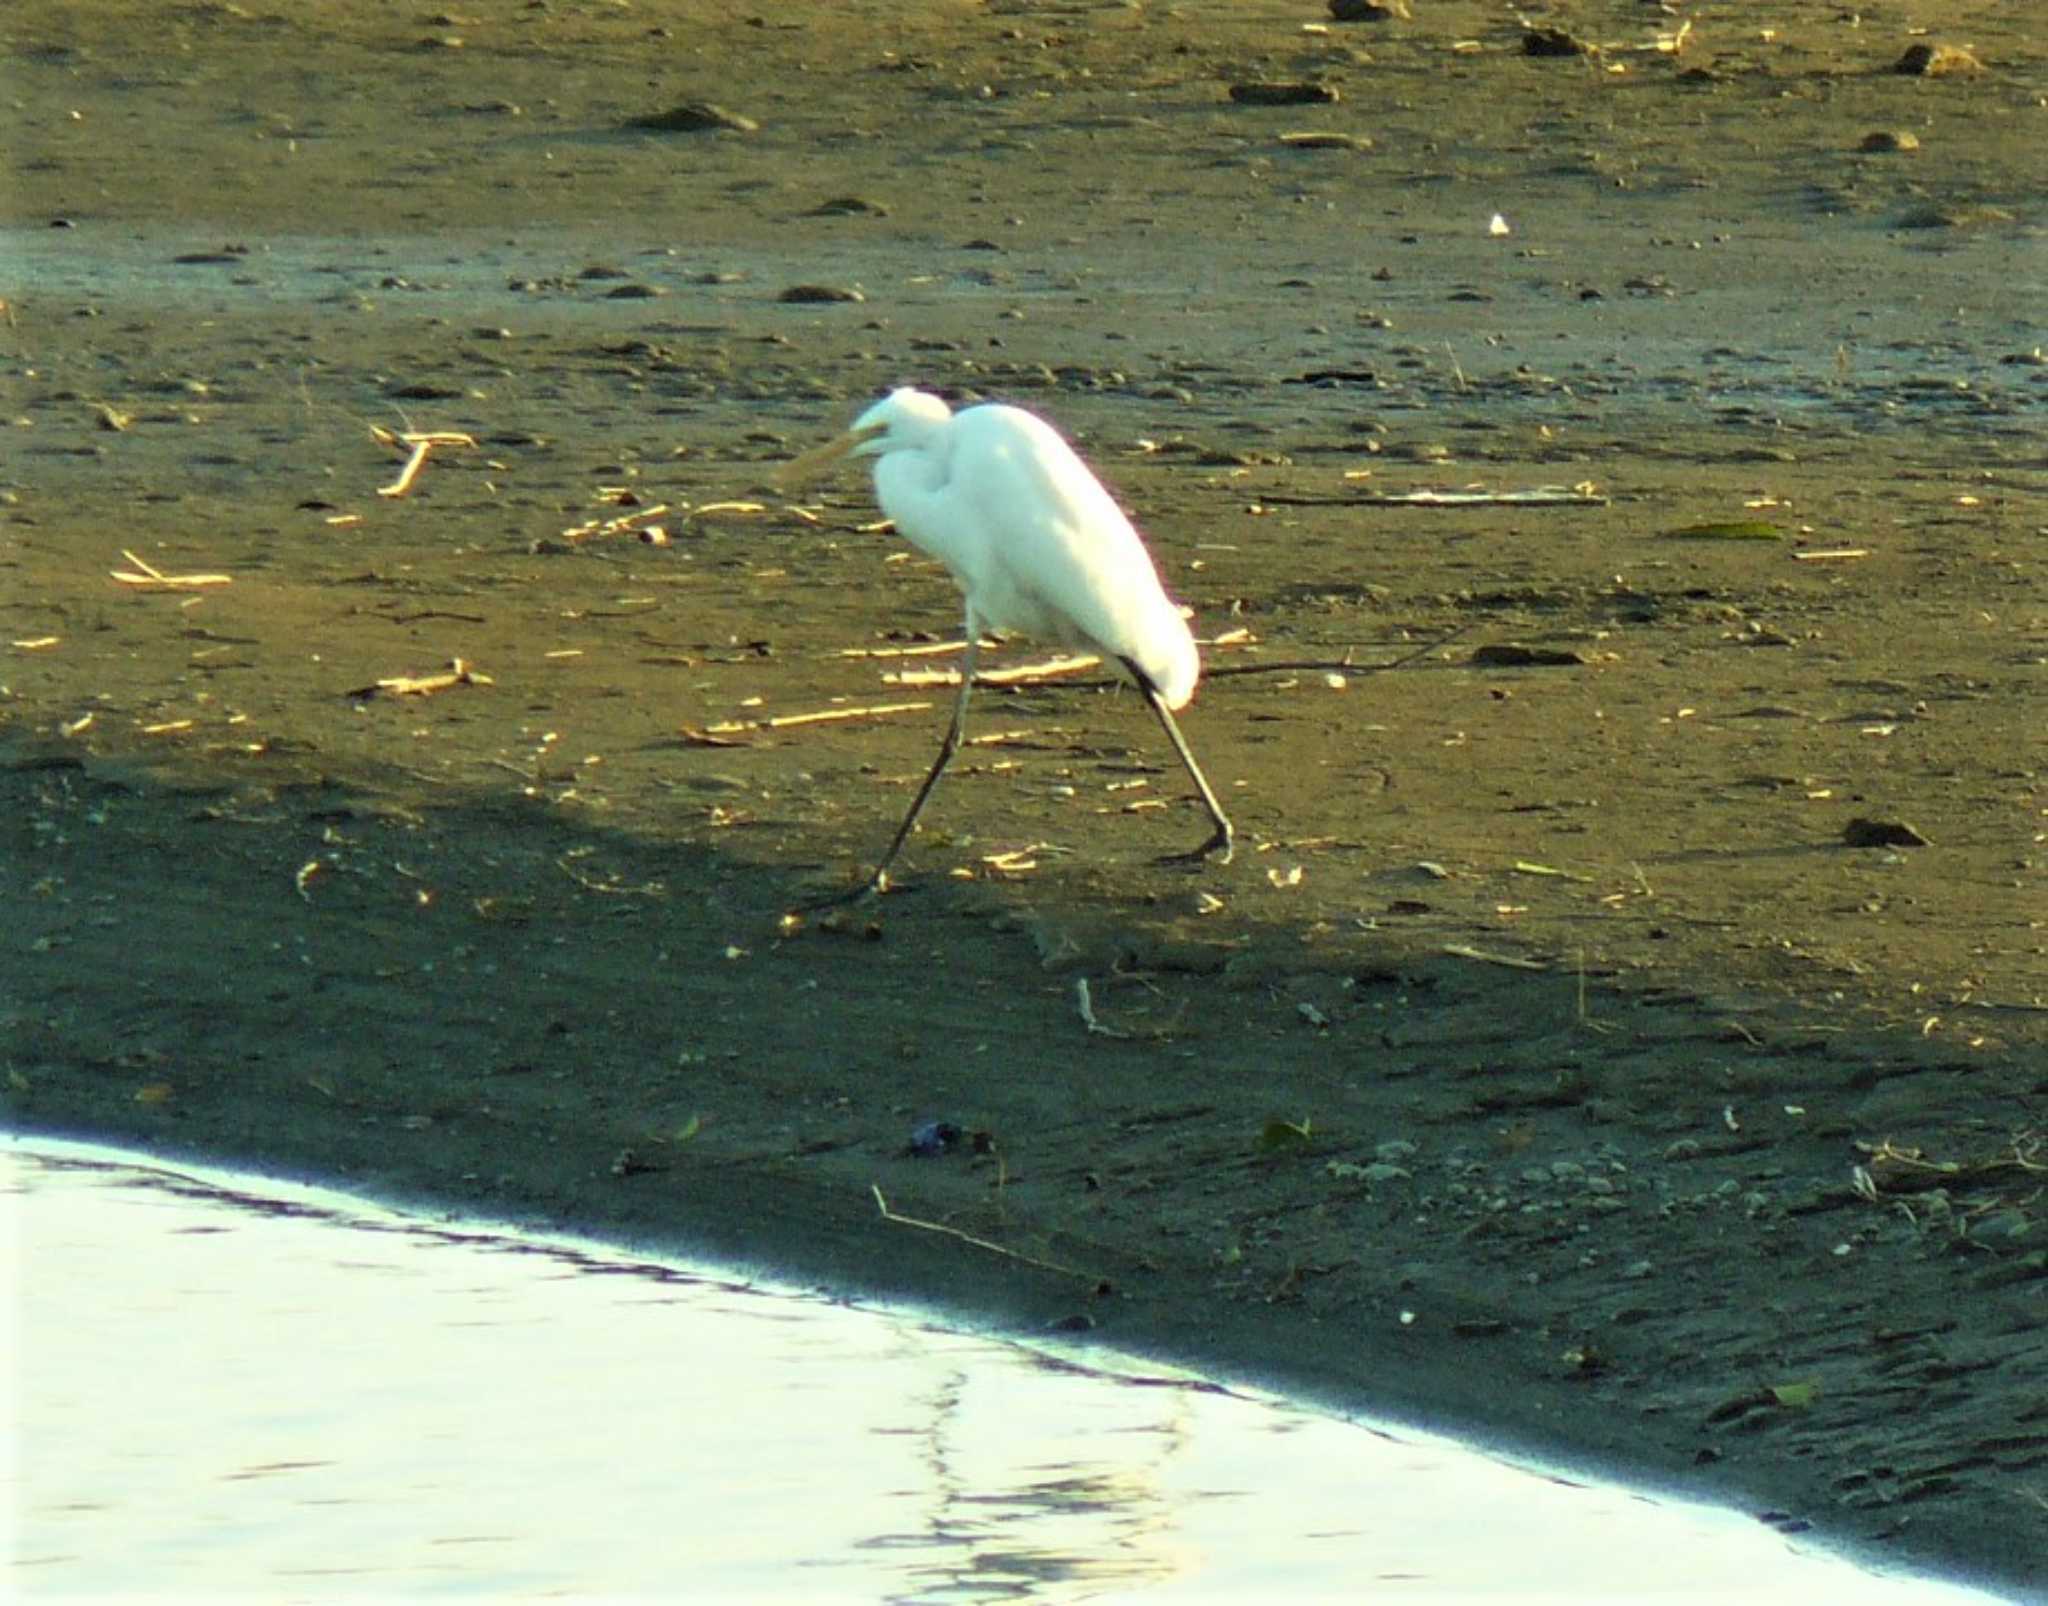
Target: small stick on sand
(924, 650)
(638, 522)
(968, 1238)
(458, 673)
(1459, 950)
(1542, 496)
(419, 443)
(994, 677)
(152, 576)
(1017, 861)
(875, 711)
(1086, 1006)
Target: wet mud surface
(1622, 1028)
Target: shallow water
(228, 1384)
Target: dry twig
(969, 1238)
(419, 443)
(146, 574)
(458, 673)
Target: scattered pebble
(819, 292)
(848, 206)
(1510, 655)
(933, 1138)
(1952, 217)
(1317, 140)
(1295, 94)
(695, 117)
(1936, 61)
(1865, 833)
(1554, 43)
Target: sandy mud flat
(1624, 1027)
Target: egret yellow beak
(805, 467)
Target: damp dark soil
(1623, 1030)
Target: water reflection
(243, 1388)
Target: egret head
(901, 421)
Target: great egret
(1036, 545)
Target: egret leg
(1221, 840)
(947, 748)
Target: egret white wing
(1056, 556)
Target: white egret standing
(1038, 548)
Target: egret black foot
(1219, 847)
(860, 892)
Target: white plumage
(1038, 548)
(1037, 545)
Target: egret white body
(1038, 548)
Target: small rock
(848, 206)
(1505, 654)
(2007, 1223)
(1952, 217)
(695, 117)
(1862, 833)
(1935, 61)
(819, 292)
(1320, 140)
(1553, 42)
(934, 1138)
(1890, 139)
(1298, 94)
(631, 1163)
